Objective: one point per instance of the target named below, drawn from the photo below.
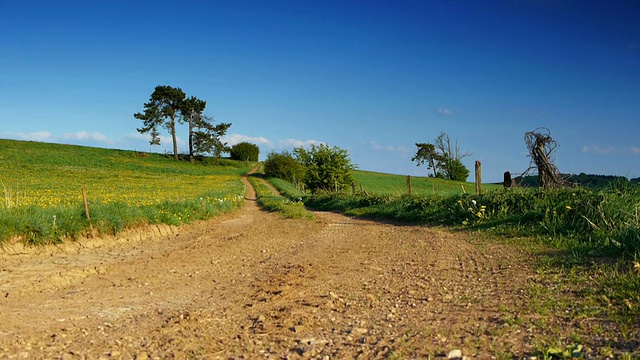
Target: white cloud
(137, 136)
(388, 148)
(598, 149)
(444, 112)
(233, 139)
(32, 136)
(293, 143)
(635, 150)
(83, 136)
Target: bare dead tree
(540, 145)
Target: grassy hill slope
(42, 185)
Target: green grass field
(388, 184)
(41, 190)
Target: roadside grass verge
(41, 190)
(584, 297)
(269, 201)
(287, 189)
(390, 184)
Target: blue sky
(372, 77)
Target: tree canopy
(443, 157)
(427, 154)
(168, 105)
(162, 110)
(245, 151)
(284, 166)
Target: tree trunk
(175, 139)
(435, 170)
(191, 159)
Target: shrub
(283, 166)
(245, 151)
(327, 168)
(455, 170)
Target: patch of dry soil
(253, 285)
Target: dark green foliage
(168, 104)
(427, 154)
(326, 168)
(204, 136)
(245, 151)
(443, 157)
(207, 139)
(162, 110)
(283, 166)
(587, 180)
(455, 170)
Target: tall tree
(427, 154)
(444, 157)
(162, 110)
(192, 109)
(204, 136)
(207, 138)
(451, 162)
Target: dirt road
(253, 285)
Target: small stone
(298, 328)
(359, 331)
(455, 354)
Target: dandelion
(568, 207)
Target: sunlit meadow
(42, 186)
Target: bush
(245, 151)
(455, 170)
(283, 166)
(327, 168)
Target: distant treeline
(582, 179)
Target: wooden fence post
(409, 184)
(84, 200)
(478, 178)
(507, 180)
(353, 188)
